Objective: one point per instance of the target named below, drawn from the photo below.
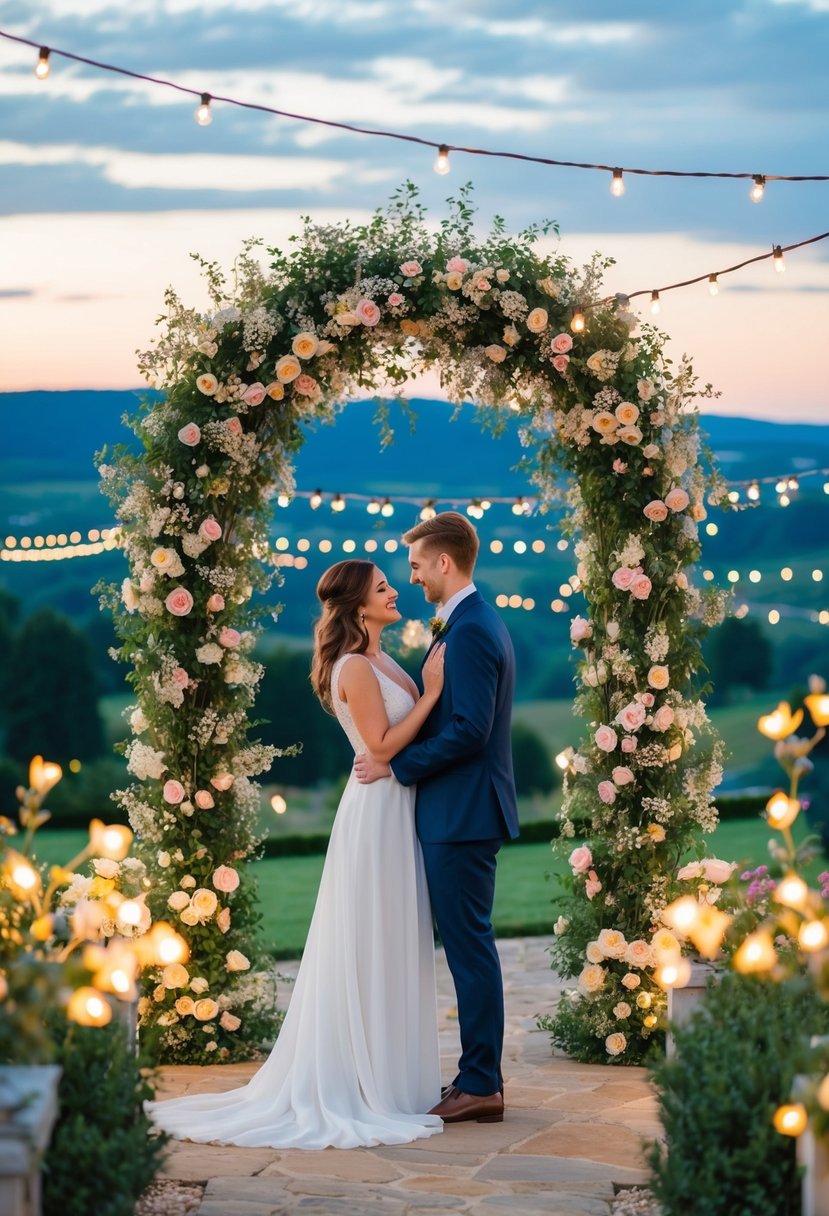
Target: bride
(356, 1061)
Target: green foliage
(739, 655)
(50, 701)
(100, 1157)
(735, 1063)
(534, 772)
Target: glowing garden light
(42, 65)
(780, 723)
(778, 260)
(441, 165)
(617, 184)
(279, 804)
(203, 114)
(758, 189)
(713, 285)
(88, 1007)
(577, 322)
(756, 954)
(109, 840)
(790, 1119)
(781, 810)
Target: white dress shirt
(446, 610)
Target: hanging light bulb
(577, 322)
(203, 115)
(779, 264)
(387, 508)
(793, 484)
(518, 507)
(617, 185)
(42, 66)
(373, 507)
(338, 503)
(758, 189)
(428, 511)
(441, 165)
(656, 307)
(315, 500)
(713, 285)
(753, 491)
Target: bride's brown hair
(341, 591)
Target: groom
(466, 808)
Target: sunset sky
(107, 185)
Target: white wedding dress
(356, 1061)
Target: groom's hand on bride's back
(367, 769)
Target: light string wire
(413, 139)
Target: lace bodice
(397, 701)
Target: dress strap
(339, 664)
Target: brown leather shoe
(447, 1089)
(459, 1107)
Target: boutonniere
(437, 626)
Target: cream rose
(190, 434)
(229, 1021)
(627, 413)
(630, 981)
(287, 369)
(612, 943)
(638, 954)
(615, 1044)
(207, 384)
(174, 975)
(659, 677)
(185, 1006)
(495, 352)
(305, 345)
(593, 954)
(665, 946)
(204, 903)
(630, 435)
(206, 1009)
(199, 984)
(537, 320)
(178, 901)
(236, 961)
(454, 280)
(211, 652)
(622, 1010)
(591, 978)
(604, 422)
(677, 499)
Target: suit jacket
(462, 757)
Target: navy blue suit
(465, 809)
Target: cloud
(15, 293)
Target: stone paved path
(571, 1135)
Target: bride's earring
(362, 618)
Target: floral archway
(606, 422)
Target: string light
(779, 263)
(373, 507)
(315, 500)
(387, 509)
(577, 322)
(753, 492)
(758, 189)
(416, 139)
(203, 115)
(713, 285)
(441, 165)
(617, 184)
(42, 67)
(656, 307)
(428, 511)
(338, 503)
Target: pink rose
(717, 871)
(410, 270)
(222, 781)
(254, 394)
(223, 920)
(663, 718)
(655, 511)
(204, 800)
(561, 343)
(210, 530)
(606, 738)
(173, 792)
(190, 434)
(180, 677)
(306, 384)
(629, 744)
(233, 426)
(592, 886)
(623, 578)
(229, 1021)
(677, 499)
(621, 774)
(225, 878)
(619, 466)
(632, 716)
(368, 312)
(561, 363)
(216, 602)
(607, 792)
(646, 698)
(179, 602)
(395, 300)
(581, 859)
(692, 869)
(459, 264)
(640, 588)
(580, 629)
(681, 581)
(229, 637)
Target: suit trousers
(461, 878)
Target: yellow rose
(159, 993)
(189, 916)
(305, 345)
(204, 903)
(219, 486)
(666, 947)
(287, 369)
(185, 1006)
(101, 887)
(656, 832)
(643, 1000)
(174, 975)
(205, 1009)
(275, 391)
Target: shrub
(100, 1157)
(734, 1064)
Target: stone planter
(683, 1001)
(813, 1157)
(28, 1109)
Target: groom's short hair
(449, 532)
